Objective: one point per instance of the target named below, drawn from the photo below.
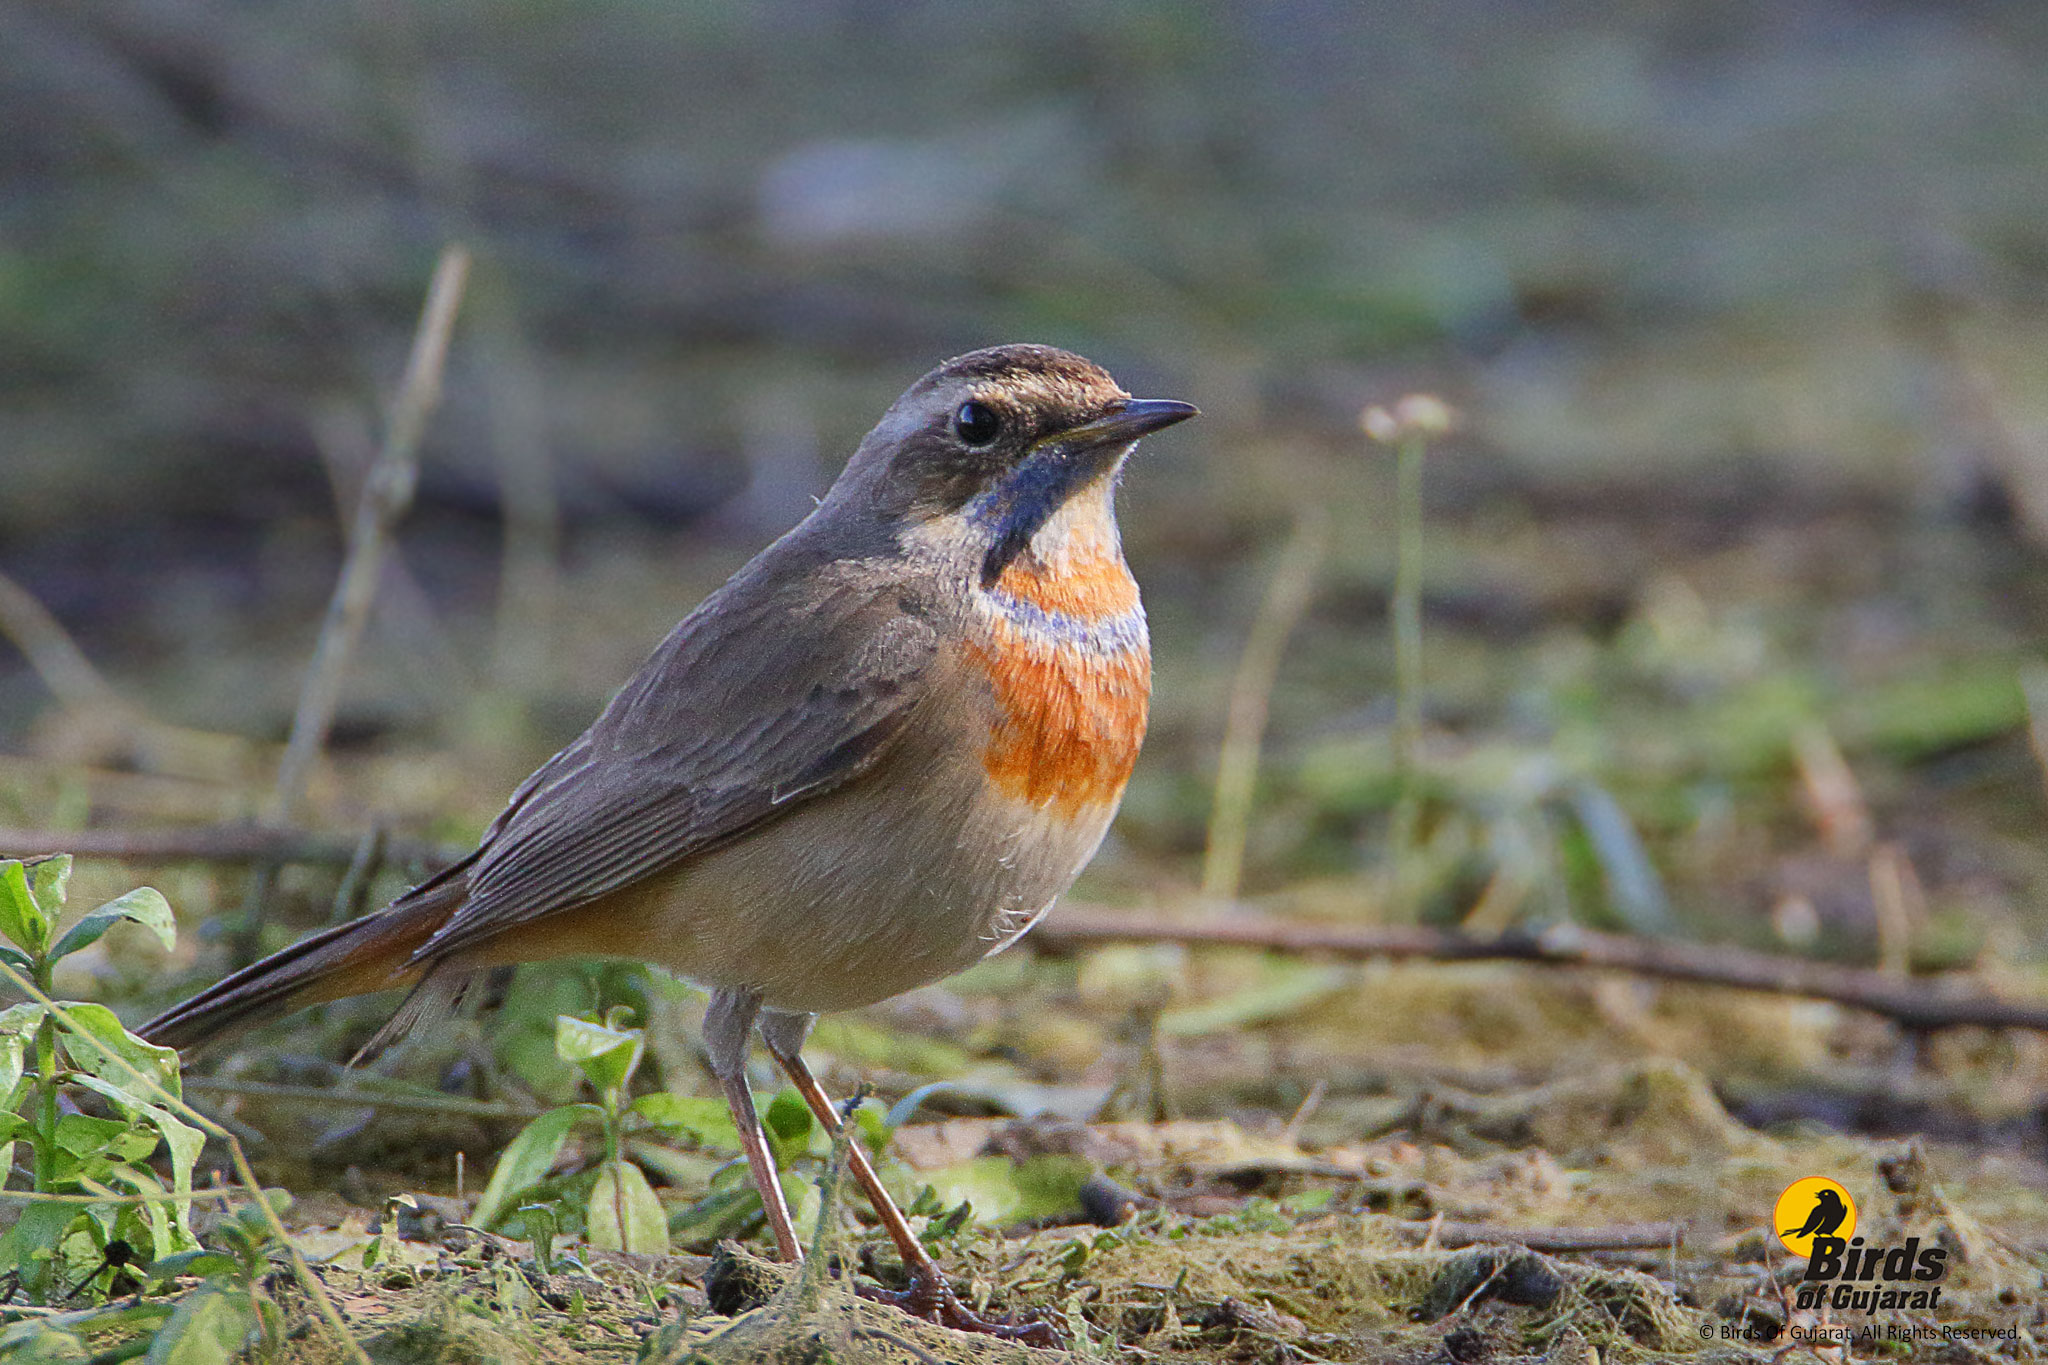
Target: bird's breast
(1064, 649)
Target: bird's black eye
(977, 423)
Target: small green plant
(231, 1311)
(65, 1243)
(618, 1208)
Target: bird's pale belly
(846, 903)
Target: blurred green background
(1743, 307)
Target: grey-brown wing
(732, 721)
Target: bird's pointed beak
(1127, 421)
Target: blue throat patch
(1022, 504)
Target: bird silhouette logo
(1826, 1218)
(1812, 1207)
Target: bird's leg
(929, 1295)
(728, 1030)
(761, 1162)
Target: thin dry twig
(82, 689)
(1832, 792)
(1244, 729)
(347, 444)
(52, 653)
(387, 494)
(1901, 904)
(1984, 424)
(1913, 1005)
(1302, 1112)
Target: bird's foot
(929, 1297)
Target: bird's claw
(929, 1297)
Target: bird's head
(982, 452)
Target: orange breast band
(1096, 588)
(1068, 661)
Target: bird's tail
(373, 953)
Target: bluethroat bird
(873, 757)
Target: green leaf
(34, 1341)
(207, 1329)
(622, 1189)
(1307, 1201)
(13, 1052)
(607, 1056)
(1634, 890)
(21, 1020)
(707, 1121)
(788, 1123)
(18, 960)
(29, 1247)
(198, 1261)
(682, 1170)
(21, 919)
(806, 1205)
(720, 1213)
(145, 905)
(95, 1036)
(528, 1157)
(1003, 1191)
(183, 1140)
(525, 1035)
(871, 1126)
(163, 1219)
(50, 880)
(49, 1337)
(185, 1143)
(1948, 704)
(44, 1341)
(538, 1225)
(83, 1135)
